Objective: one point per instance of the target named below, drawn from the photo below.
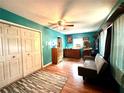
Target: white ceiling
(89, 13)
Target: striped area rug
(38, 82)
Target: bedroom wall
(81, 35)
(48, 35)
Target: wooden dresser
(72, 53)
(57, 55)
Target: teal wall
(11, 17)
(0, 13)
(48, 35)
(81, 35)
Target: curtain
(108, 45)
(117, 50)
(102, 40)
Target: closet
(20, 52)
(12, 45)
(3, 64)
(31, 51)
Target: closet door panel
(1, 42)
(37, 61)
(14, 68)
(27, 51)
(3, 76)
(27, 56)
(37, 51)
(37, 44)
(28, 45)
(3, 69)
(13, 52)
(14, 31)
(29, 63)
(1, 46)
(2, 61)
(13, 46)
(25, 33)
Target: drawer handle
(13, 57)
(28, 54)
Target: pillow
(99, 61)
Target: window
(78, 43)
(117, 50)
(102, 41)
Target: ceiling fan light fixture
(61, 22)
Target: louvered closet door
(3, 78)
(13, 52)
(37, 50)
(27, 51)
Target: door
(13, 52)
(27, 51)
(3, 78)
(59, 42)
(37, 50)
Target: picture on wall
(69, 39)
(85, 39)
(86, 42)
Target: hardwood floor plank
(75, 83)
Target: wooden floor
(75, 83)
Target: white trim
(14, 24)
(47, 64)
(41, 50)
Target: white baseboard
(47, 64)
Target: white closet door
(20, 53)
(37, 51)
(27, 51)
(3, 77)
(13, 52)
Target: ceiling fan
(61, 24)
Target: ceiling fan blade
(70, 25)
(54, 27)
(75, 22)
(67, 6)
(52, 23)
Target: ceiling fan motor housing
(61, 22)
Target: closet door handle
(13, 56)
(28, 54)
